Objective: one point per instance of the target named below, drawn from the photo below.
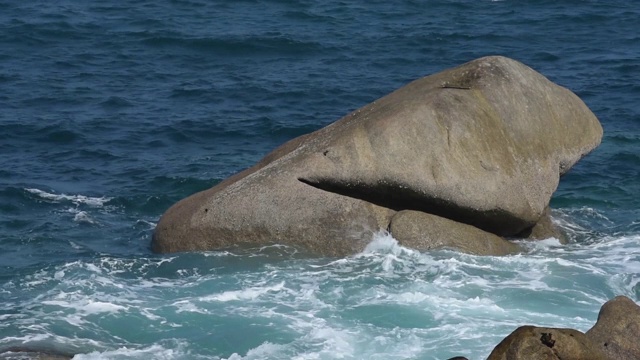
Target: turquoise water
(112, 112)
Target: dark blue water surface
(111, 111)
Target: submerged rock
(482, 144)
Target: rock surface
(482, 144)
(32, 354)
(615, 336)
(544, 229)
(534, 343)
(617, 331)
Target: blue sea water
(111, 111)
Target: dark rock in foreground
(24, 353)
(534, 343)
(482, 145)
(615, 336)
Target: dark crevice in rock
(547, 339)
(524, 234)
(396, 197)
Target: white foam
(25, 339)
(98, 307)
(149, 224)
(383, 242)
(87, 307)
(58, 275)
(251, 293)
(579, 222)
(83, 217)
(93, 268)
(413, 297)
(146, 312)
(393, 258)
(74, 245)
(188, 306)
(150, 352)
(337, 343)
(265, 350)
(218, 254)
(542, 244)
(76, 199)
(574, 264)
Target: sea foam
(75, 199)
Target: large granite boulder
(482, 144)
(617, 331)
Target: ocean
(112, 111)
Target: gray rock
(617, 331)
(422, 231)
(534, 343)
(482, 144)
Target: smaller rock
(617, 331)
(18, 352)
(534, 343)
(423, 231)
(545, 229)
